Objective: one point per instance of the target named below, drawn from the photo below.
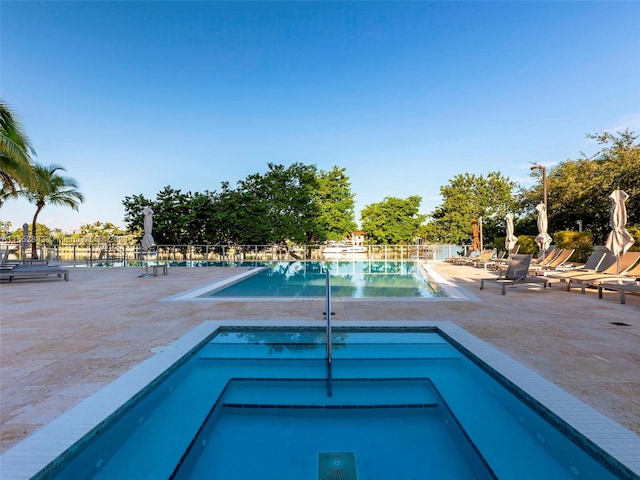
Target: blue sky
(133, 96)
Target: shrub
(582, 242)
(527, 244)
(634, 230)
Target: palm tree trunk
(34, 250)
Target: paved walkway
(60, 341)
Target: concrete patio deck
(60, 341)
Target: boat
(343, 249)
(355, 249)
(333, 249)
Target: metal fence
(103, 254)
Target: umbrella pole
(146, 267)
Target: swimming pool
(407, 402)
(350, 280)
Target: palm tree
(53, 189)
(15, 155)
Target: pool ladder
(328, 314)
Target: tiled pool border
(453, 293)
(613, 443)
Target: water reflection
(349, 279)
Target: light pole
(544, 183)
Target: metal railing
(205, 255)
(328, 314)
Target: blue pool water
(349, 279)
(254, 403)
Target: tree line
(299, 204)
(302, 204)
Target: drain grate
(620, 324)
(337, 466)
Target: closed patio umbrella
(543, 239)
(619, 240)
(476, 236)
(511, 239)
(147, 239)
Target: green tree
(172, 211)
(17, 234)
(172, 216)
(336, 205)
(468, 197)
(98, 231)
(618, 163)
(5, 229)
(178, 219)
(579, 189)
(15, 155)
(202, 222)
(51, 188)
(392, 221)
(240, 216)
(620, 157)
(133, 216)
(289, 195)
(272, 207)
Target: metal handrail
(329, 346)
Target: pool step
(347, 393)
(284, 352)
(296, 403)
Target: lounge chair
(630, 282)
(471, 258)
(554, 264)
(545, 259)
(15, 272)
(504, 261)
(6, 261)
(623, 288)
(456, 258)
(484, 256)
(597, 262)
(535, 262)
(517, 272)
(614, 273)
(490, 262)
